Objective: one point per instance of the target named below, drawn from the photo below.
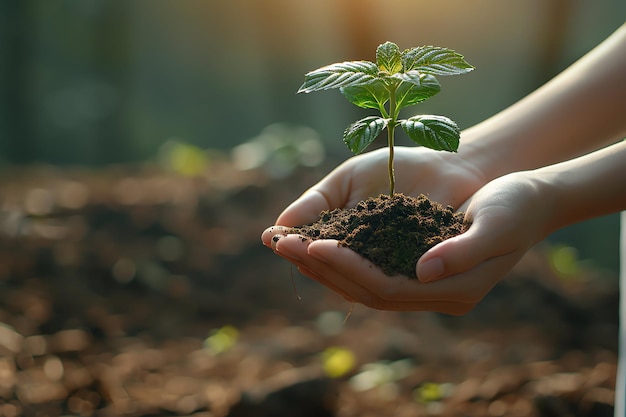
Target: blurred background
(91, 82)
(145, 144)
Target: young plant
(397, 80)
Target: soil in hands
(393, 232)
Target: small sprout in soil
(397, 79)
(392, 231)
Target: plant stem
(391, 127)
(392, 177)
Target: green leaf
(434, 132)
(343, 74)
(414, 77)
(369, 96)
(360, 134)
(435, 60)
(388, 58)
(415, 88)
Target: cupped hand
(443, 176)
(508, 216)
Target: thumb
(306, 209)
(488, 237)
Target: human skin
(520, 175)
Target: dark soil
(392, 232)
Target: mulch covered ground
(137, 292)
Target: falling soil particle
(393, 232)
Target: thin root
(349, 313)
(293, 284)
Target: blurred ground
(131, 291)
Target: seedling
(397, 80)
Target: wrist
(550, 205)
(479, 151)
(586, 187)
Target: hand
(443, 176)
(509, 215)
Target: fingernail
(430, 270)
(287, 248)
(275, 240)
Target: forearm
(580, 110)
(582, 188)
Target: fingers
(358, 280)
(488, 237)
(348, 267)
(305, 209)
(368, 285)
(324, 266)
(296, 249)
(268, 235)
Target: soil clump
(393, 232)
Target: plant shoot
(395, 81)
